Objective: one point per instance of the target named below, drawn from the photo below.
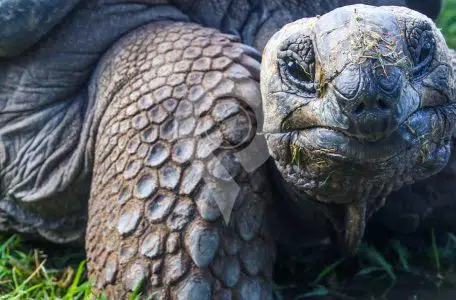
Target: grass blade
(402, 253)
(77, 278)
(327, 270)
(435, 252)
(376, 258)
(319, 291)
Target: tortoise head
(357, 103)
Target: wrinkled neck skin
(255, 21)
(48, 116)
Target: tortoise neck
(253, 21)
(297, 216)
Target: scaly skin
(170, 119)
(45, 178)
(48, 121)
(165, 147)
(357, 103)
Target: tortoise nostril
(383, 105)
(380, 104)
(360, 108)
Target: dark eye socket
(421, 47)
(296, 62)
(298, 75)
(298, 72)
(426, 51)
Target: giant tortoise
(146, 129)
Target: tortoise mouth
(329, 164)
(340, 144)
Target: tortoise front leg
(165, 169)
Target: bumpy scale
(177, 114)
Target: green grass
(30, 271)
(447, 22)
(36, 271)
(375, 273)
(388, 270)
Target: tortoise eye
(426, 51)
(296, 62)
(297, 72)
(421, 47)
